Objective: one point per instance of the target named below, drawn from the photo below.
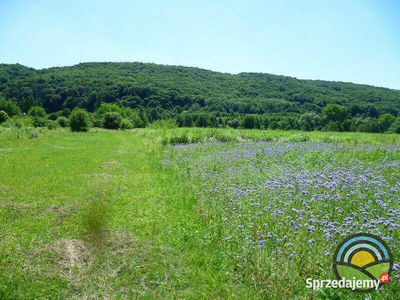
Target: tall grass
(175, 136)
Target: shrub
(96, 120)
(52, 124)
(66, 112)
(53, 116)
(39, 122)
(62, 121)
(37, 111)
(79, 120)
(3, 116)
(112, 120)
(33, 135)
(125, 124)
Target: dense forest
(143, 93)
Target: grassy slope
(98, 215)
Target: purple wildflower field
(279, 209)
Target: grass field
(147, 214)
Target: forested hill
(178, 89)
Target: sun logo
(363, 257)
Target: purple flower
(311, 228)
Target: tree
(112, 120)
(306, 126)
(234, 123)
(313, 120)
(213, 122)
(3, 116)
(386, 121)
(66, 112)
(143, 117)
(273, 125)
(188, 120)
(201, 121)
(335, 112)
(99, 100)
(249, 122)
(27, 103)
(334, 126)
(79, 120)
(37, 112)
(395, 127)
(265, 122)
(9, 107)
(107, 107)
(180, 121)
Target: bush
(112, 120)
(79, 120)
(53, 116)
(66, 112)
(39, 122)
(52, 124)
(96, 120)
(62, 121)
(37, 112)
(125, 124)
(3, 116)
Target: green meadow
(126, 214)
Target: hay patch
(101, 175)
(110, 164)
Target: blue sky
(356, 41)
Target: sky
(352, 41)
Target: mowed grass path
(97, 215)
